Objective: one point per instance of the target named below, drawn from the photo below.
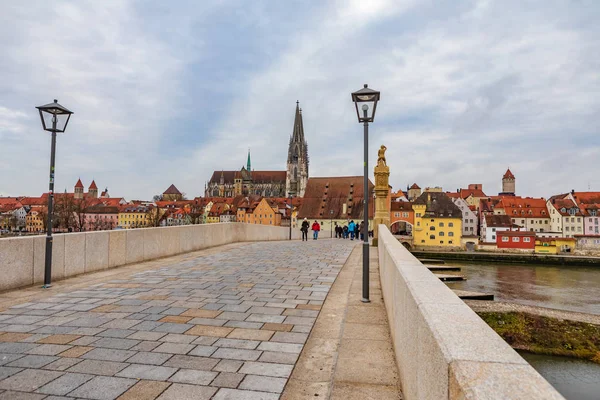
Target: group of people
(352, 230)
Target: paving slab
(223, 323)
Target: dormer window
(563, 210)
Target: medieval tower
(508, 183)
(297, 162)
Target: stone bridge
(235, 311)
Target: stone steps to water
(442, 268)
(450, 278)
(431, 261)
(466, 295)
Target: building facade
(493, 224)
(469, 218)
(565, 216)
(438, 221)
(517, 240)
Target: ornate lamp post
(291, 209)
(331, 224)
(54, 119)
(368, 99)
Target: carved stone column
(382, 193)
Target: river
(574, 379)
(563, 288)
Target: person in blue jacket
(352, 229)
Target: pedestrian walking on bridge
(316, 228)
(304, 229)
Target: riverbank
(512, 258)
(540, 334)
(505, 307)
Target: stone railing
(22, 259)
(443, 349)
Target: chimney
(572, 191)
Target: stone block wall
(22, 259)
(443, 349)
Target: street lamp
(291, 208)
(331, 224)
(368, 98)
(54, 119)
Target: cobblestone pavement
(227, 325)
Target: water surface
(574, 379)
(564, 288)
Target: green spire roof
(248, 164)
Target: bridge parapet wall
(22, 259)
(443, 349)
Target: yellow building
(34, 221)
(133, 216)
(554, 245)
(438, 221)
(260, 212)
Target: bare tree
(79, 213)
(153, 216)
(157, 197)
(196, 213)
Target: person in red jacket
(316, 228)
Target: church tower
(78, 190)
(508, 183)
(297, 162)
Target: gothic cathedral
(247, 181)
(297, 162)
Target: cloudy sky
(167, 92)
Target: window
(449, 241)
(471, 228)
(405, 214)
(567, 228)
(450, 224)
(422, 241)
(441, 242)
(578, 219)
(441, 233)
(418, 215)
(526, 239)
(418, 223)
(493, 237)
(493, 229)
(441, 224)
(450, 233)
(432, 228)
(504, 238)
(432, 237)
(396, 215)
(516, 239)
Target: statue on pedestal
(381, 156)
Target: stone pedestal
(382, 192)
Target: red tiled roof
(228, 176)
(401, 206)
(515, 233)
(172, 190)
(508, 174)
(79, 184)
(499, 221)
(587, 197)
(559, 204)
(415, 186)
(464, 193)
(93, 185)
(325, 194)
(524, 207)
(268, 176)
